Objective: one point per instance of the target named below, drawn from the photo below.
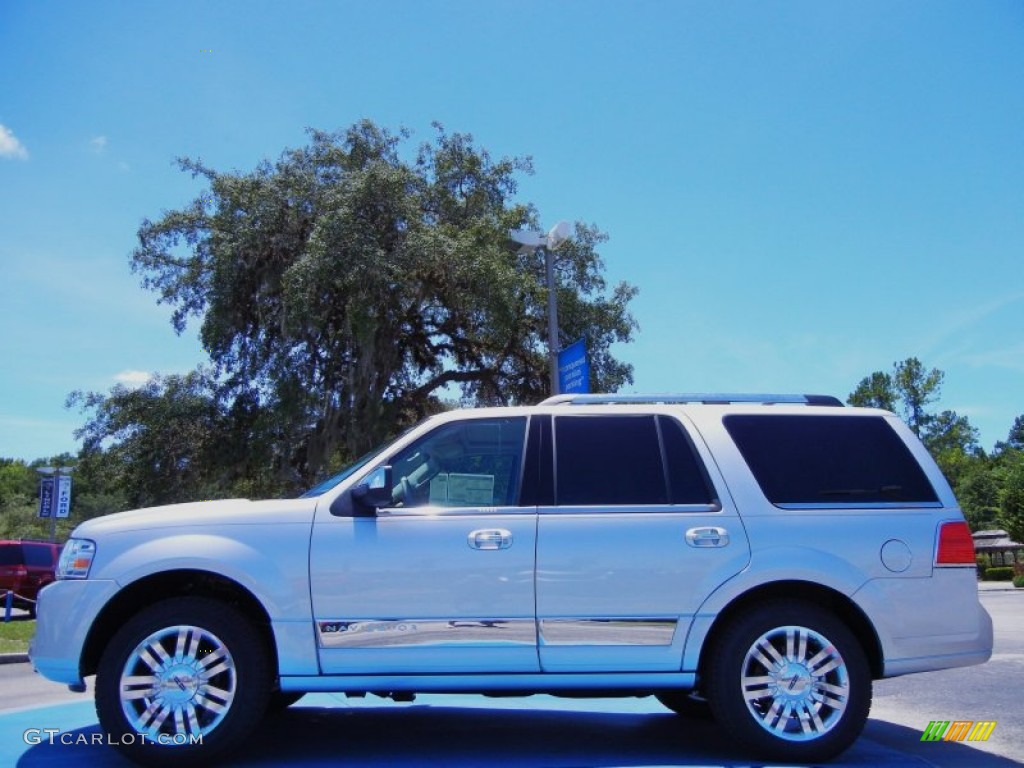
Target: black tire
(834, 700)
(689, 704)
(207, 636)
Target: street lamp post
(531, 241)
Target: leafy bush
(984, 562)
(1000, 573)
(1018, 581)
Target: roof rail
(706, 398)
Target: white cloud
(10, 146)
(955, 323)
(133, 378)
(20, 422)
(1008, 357)
(98, 144)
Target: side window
(687, 479)
(38, 555)
(815, 460)
(472, 463)
(608, 460)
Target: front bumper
(64, 615)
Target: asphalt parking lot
(544, 732)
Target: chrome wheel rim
(178, 685)
(795, 683)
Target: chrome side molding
(607, 631)
(405, 633)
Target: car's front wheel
(790, 680)
(183, 681)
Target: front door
(441, 580)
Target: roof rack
(706, 398)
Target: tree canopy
(345, 291)
(908, 390)
(164, 441)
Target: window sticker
(459, 489)
(439, 489)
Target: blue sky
(804, 192)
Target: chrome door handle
(490, 538)
(703, 538)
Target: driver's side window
(472, 463)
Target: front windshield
(326, 485)
(333, 480)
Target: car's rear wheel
(791, 680)
(183, 681)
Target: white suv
(765, 557)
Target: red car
(25, 568)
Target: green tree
(343, 291)
(977, 490)
(953, 442)
(17, 481)
(875, 391)
(1015, 440)
(948, 431)
(156, 444)
(1011, 498)
(18, 486)
(917, 389)
(908, 390)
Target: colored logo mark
(958, 730)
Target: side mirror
(374, 492)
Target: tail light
(20, 574)
(956, 547)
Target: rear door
(634, 537)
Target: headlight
(76, 559)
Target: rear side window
(37, 555)
(828, 460)
(622, 460)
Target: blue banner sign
(62, 502)
(46, 497)
(574, 369)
